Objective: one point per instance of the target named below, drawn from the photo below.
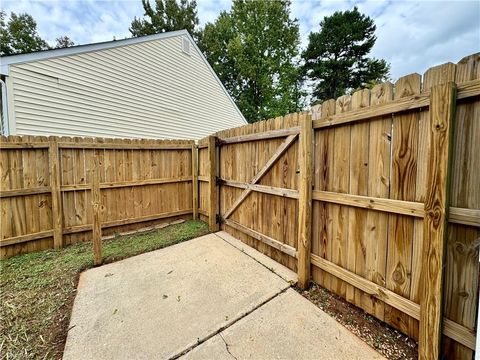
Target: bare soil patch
(386, 340)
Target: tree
(253, 48)
(63, 42)
(167, 15)
(336, 56)
(19, 35)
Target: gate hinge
(219, 181)
(219, 219)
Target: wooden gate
(255, 189)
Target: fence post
(212, 175)
(442, 115)
(195, 181)
(96, 200)
(57, 212)
(305, 200)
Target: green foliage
(37, 289)
(19, 35)
(253, 48)
(167, 15)
(336, 57)
(63, 42)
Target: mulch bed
(386, 340)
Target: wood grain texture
(212, 187)
(442, 113)
(341, 184)
(305, 201)
(357, 217)
(402, 187)
(323, 181)
(462, 266)
(96, 209)
(57, 213)
(195, 181)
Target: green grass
(37, 289)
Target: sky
(411, 35)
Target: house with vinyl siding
(158, 86)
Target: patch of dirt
(386, 340)
(59, 329)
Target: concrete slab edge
(278, 269)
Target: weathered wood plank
(461, 263)
(270, 134)
(110, 145)
(305, 201)
(379, 164)
(57, 211)
(195, 181)
(264, 238)
(96, 208)
(341, 183)
(212, 174)
(25, 238)
(25, 192)
(357, 217)
(128, 221)
(410, 208)
(442, 113)
(265, 189)
(402, 187)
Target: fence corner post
(57, 212)
(96, 204)
(195, 181)
(212, 186)
(441, 124)
(305, 200)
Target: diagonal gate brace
(279, 152)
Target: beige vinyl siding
(144, 90)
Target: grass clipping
(37, 289)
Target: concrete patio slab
(287, 327)
(159, 304)
(208, 298)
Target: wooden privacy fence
(46, 188)
(374, 196)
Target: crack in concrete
(219, 331)
(226, 326)
(226, 346)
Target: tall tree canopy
(167, 15)
(19, 35)
(254, 48)
(63, 42)
(336, 57)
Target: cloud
(83, 21)
(411, 35)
